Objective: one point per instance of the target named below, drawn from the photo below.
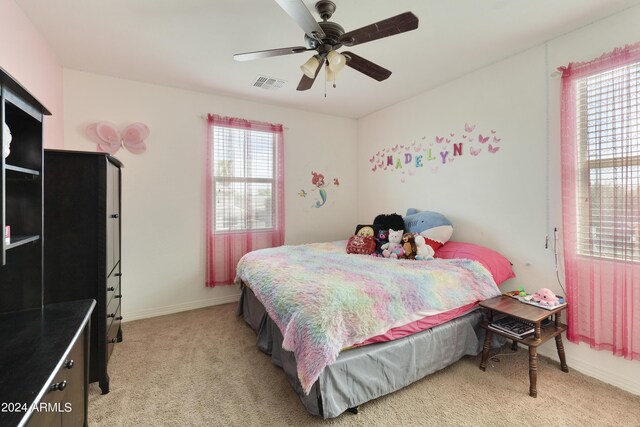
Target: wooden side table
(529, 313)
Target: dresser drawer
(112, 307)
(63, 403)
(113, 288)
(112, 334)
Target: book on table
(512, 326)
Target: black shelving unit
(21, 188)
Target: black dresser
(44, 375)
(82, 253)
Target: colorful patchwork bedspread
(324, 300)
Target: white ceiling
(189, 43)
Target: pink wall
(25, 55)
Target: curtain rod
(204, 117)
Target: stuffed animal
(423, 250)
(392, 221)
(544, 296)
(393, 248)
(433, 226)
(408, 246)
(6, 140)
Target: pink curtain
(601, 200)
(245, 192)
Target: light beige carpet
(202, 368)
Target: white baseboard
(610, 377)
(176, 308)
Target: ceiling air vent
(269, 83)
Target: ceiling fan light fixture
(337, 61)
(310, 67)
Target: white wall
(26, 56)
(163, 189)
(505, 200)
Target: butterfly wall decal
(109, 140)
(493, 149)
(482, 140)
(439, 139)
(474, 152)
(469, 128)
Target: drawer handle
(118, 296)
(112, 341)
(59, 386)
(119, 318)
(68, 364)
(115, 216)
(111, 315)
(118, 274)
(111, 289)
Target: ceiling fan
(327, 37)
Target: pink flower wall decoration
(109, 140)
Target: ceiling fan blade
(366, 67)
(305, 20)
(306, 82)
(248, 56)
(389, 27)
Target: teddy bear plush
(393, 248)
(423, 250)
(408, 246)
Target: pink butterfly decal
(413, 143)
(493, 131)
(417, 148)
(381, 164)
(412, 172)
(385, 168)
(475, 152)
(402, 146)
(496, 140)
(469, 128)
(394, 149)
(372, 159)
(423, 138)
(439, 139)
(374, 168)
(448, 140)
(493, 149)
(470, 139)
(482, 140)
(434, 169)
(336, 182)
(109, 140)
(464, 136)
(452, 135)
(450, 159)
(378, 153)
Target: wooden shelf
(545, 334)
(21, 240)
(21, 170)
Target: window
(245, 193)
(600, 149)
(244, 178)
(608, 176)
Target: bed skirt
(365, 373)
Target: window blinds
(243, 172)
(608, 185)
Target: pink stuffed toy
(544, 296)
(393, 248)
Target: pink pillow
(498, 266)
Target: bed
(347, 329)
